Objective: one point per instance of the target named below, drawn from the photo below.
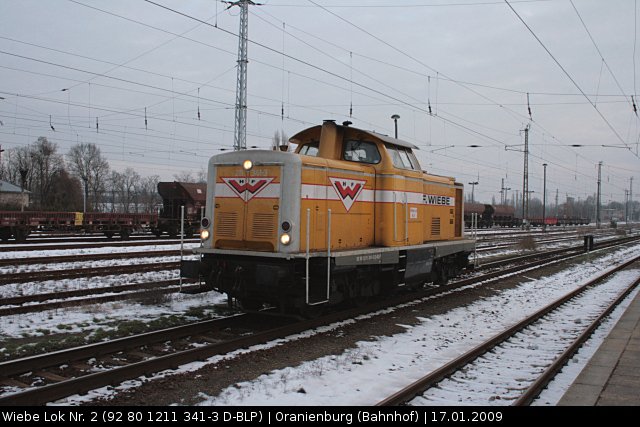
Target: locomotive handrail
(395, 219)
(406, 218)
(307, 256)
(328, 250)
(306, 276)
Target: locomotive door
(247, 207)
(261, 208)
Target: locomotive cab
(348, 215)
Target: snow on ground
(80, 250)
(104, 316)
(499, 376)
(540, 246)
(56, 285)
(377, 368)
(394, 362)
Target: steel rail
(428, 381)
(83, 384)
(32, 276)
(16, 305)
(85, 257)
(87, 243)
(549, 374)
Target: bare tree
(87, 163)
(275, 141)
(124, 186)
(48, 164)
(65, 193)
(116, 185)
(280, 141)
(202, 176)
(184, 177)
(148, 193)
(19, 168)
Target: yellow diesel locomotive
(347, 216)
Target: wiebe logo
(247, 188)
(348, 190)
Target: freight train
(505, 216)
(349, 215)
(175, 195)
(18, 225)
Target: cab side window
(309, 149)
(361, 152)
(396, 157)
(403, 158)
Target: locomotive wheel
(440, 274)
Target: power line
(597, 48)
(405, 5)
(443, 78)
(432, 69)
(330, 72)
(569, 76)
(42, 61)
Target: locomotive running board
(375, 255)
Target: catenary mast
(240, 139)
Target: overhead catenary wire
(570, 77)
(379, 92)
(422, 105)
(342, 18)
(604, 61)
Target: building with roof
(13, 197)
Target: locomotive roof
(183, 190)
(310, 132)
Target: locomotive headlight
(204, 234)
(285, 239)
(247, 165)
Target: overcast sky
(472, 62)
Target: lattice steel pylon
(240, 139)
(525, 179)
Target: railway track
(36, 303)
(40, 276)
(490, 247)
(490, 240)
(51, 376)
(459, 381)
(126, 358)
(84, 244)
(4, 262)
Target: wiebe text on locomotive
(434, 199)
